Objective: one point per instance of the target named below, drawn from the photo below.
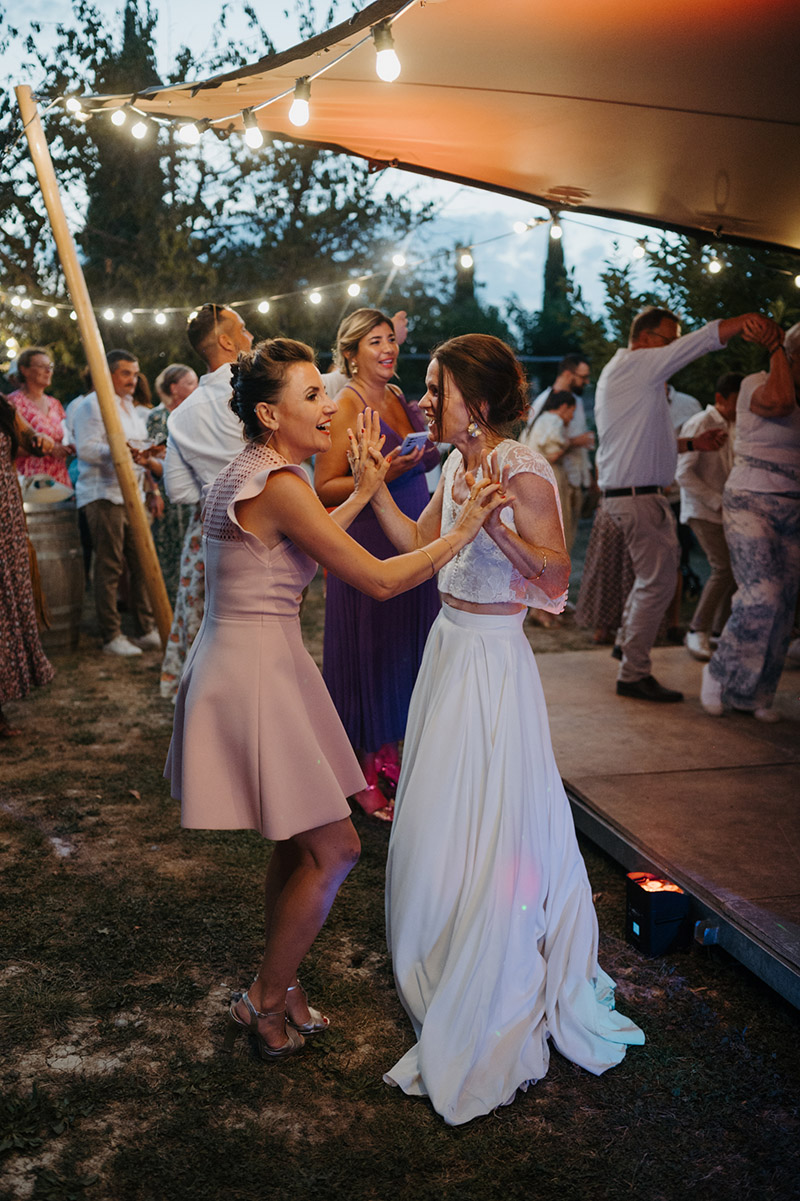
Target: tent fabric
(682, 116)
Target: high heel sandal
(294, 1039)
(318, 1021)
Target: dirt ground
(122, 937)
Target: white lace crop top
(481, 573)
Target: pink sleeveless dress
(257, 743)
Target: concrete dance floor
(714, 803)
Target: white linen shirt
(575, 461)
(634, 426)
(203, 436)
(702, 474)
(97, 479)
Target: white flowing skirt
(489, 911)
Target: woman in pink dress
(257, 742)
(44, 413)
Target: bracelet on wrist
(541, 572)
(429, 557)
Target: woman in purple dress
(372, 693)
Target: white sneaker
(698, 645)
(150, 641)
(121, 646)
(711, 694)
(768, 715)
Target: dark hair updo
(258, 377)
(489, 377)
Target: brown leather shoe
(648, 689)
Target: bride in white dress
(489, 912)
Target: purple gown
(373, 649)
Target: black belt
(646, 490)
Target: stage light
(656, 912)
(387, 64)
(252, 134)
(264, 306)
(299, 112)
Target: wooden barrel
(53, 530)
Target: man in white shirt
(203, 435)
(573, 376)
(702, 479)
(99, 496)
(636, 462)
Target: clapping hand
(367, 465)
(485, 500)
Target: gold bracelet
(444, 538)
(430, 558)
(541, 573)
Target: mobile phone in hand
(412, 441)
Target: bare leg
(299, 891)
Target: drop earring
(473, 429)
(354, 368)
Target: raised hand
(367, 465)
(491, 472)
(485, 497)
(763, 330)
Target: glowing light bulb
(192, 315)
(466, 260)
(11, 343)
(127, 318)
(52, 311)
(399, 259)
(119, 116)
(714, 266)
(139, 130)
(73, 316)
(556, 231)
(188, 134)
(387, 64)
(299, 112)
(316, 297)
(16, 301)
(353, 289)
(25, 303)
(108, 314)
(252, 134)
(639, 250)
(74, 104)
(797, 281)
(82, 116)
(160, 319)
(264, 306)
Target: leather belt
(646, 490)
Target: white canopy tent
(683, 116)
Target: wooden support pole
(95, 355)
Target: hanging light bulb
(73, 316)
(299, 112)
(556, 231)
(264, 306)
(797, 281)
(399, 259)
(139, 130)
(11, 343)
(119, 116)
(73, 104)
(387, 64)
(189, 134)
(315, 297)
(160, 319)
(639, 250)
(127, 318)
(466, 260)
(714, 266)
(16, 301)
(25, 303)
(108, 314)
(252, 134)
(521, 227)
(353, 289)
(52, 311)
